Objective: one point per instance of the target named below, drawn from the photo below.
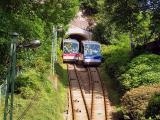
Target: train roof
(70, 40)
(90, 42)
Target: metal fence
(3, 89)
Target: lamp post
(11, 78)
(9, 98)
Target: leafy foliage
(137, 17)
(57, 12)
(90, 7)
(121, 23)
(34, 19)
(116, 56)
(136, 101)
(153, 109)
(28, 79)
(142, 70)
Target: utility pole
(8, 112)
(54, 49)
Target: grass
(50, 103)
(111, 86)
(1, 108)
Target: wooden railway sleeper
(72, 79)
(77, 110)
(75, 100)
(96, 81)
(99, 97)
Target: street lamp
(35, 43)
(9, 98)
(31, 44)
(11, 78)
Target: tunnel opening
(78, 37)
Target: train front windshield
(70, 47)
(91, 49)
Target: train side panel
(70, 57)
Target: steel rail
(105, 107)
(82, 93)
(73, 115)
(92, 88)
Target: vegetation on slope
(34, 20)
(121, 26)
(142, 70)
(142, 103)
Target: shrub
(116, 58)
(27, 92)
(135, 101)
(142, 70)
(29, 28)
(29, 79)
(153, 109)
(41, 65)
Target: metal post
(13, 75)
(0, 94)
(54, 49)
(11, 80)
(52, 52)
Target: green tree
(32, 19)
(141, 18)
(90, 7)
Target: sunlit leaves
(140, 17)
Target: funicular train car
(91, 51)
(70, 50)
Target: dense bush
(142, 70)
(153, 109)
(41, 65)
(135, 102)
(33, 20)
(30, 79)
(116, 57)
(29, 28)
(27, 92)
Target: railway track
(78, 105)
(87, 94)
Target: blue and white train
(91, 51)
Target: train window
(70, 47)
(91, 49)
